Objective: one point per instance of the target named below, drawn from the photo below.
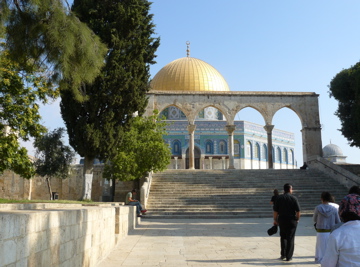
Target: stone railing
(338, 173)
(62, 234)
(145, 189)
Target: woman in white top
(325, 217)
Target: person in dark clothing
(287, 216)
(355, 189)
(274, 197)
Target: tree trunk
(49, 187)
(30, 188)
(113, 189)
(88, 177)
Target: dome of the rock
(189, 74)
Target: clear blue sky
(262, 45)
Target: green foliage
(142, 150)
(53, 158)
(45, 34)
(19, 114)
(95, 126)
(345, 87)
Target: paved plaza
(210, 242)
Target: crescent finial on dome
(188, 49)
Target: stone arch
(161, 112)
(304, 104)
(294, 127)
(206, 113)
(193, 110)
(250, 109)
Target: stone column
(230, 129)
(211, 163)
(223, 163)
(191, 129)
(312, 143)
(176, 163)
(183, 162)
(202, 162)
(268, 128)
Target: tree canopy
(46, 35)
(142, 150)
(20, 94)
(96, 126)
(53, 157)
(345, 88)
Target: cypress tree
(95, 126)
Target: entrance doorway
(197, 154)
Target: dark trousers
(287, 236)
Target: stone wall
(12, 186)
(335, 171)
(60, 234)
(354, 168)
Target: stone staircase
(233, 193)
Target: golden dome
(188, 74)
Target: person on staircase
(130, 200)
(274, 197)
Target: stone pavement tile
(199, 242)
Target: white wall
(61, 236)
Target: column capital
(230, 129)
(268, 128)
(191, 128)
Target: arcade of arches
(305, 105)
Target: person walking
(325, 217)
(287, 216)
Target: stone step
(233, 193)
(230, 215)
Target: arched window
(264, 154)
(176, 147)
(278, 156)
(257, 151)
(285, 156)
(249, 150)
(222, 147)
(236, 148)
(291, 159)
(209, 148)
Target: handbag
(272, 230)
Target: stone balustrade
(61, 234)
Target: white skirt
(321, 242)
